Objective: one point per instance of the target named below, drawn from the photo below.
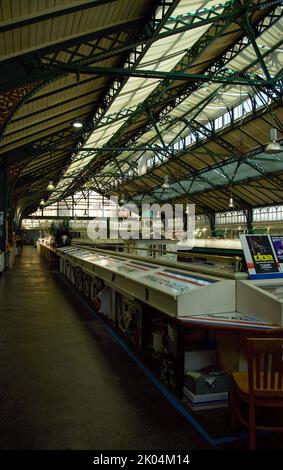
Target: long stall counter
(48, 253)
(263, 298)
(177, 319)
(181, 293)
(174, 292)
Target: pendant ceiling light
(50, 186)
(231, 200)
(166, 184)
(273, 146)
(77, 123)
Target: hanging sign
(261, 258)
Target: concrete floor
(65, 383)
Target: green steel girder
(11, 101)
(224, 76)
(59, 103)
(173, 26)
(54, 13)
(166, 84)
(153, 196)
(78, 108)
(224, 190)
(239, 159)
(278, 99)
(167, 7)
(232, 51)
(232, 149)
(242, 203)
(196, 127)
(246, 24)
(49, 56)
(264, 24)
(104, 178)
(36, 173)
(39, 68)
(152, 118)
(45, 144)
(134, 148)
(202, 104)
(36, 63)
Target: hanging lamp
(50, 186)
(77, 123)
(166, 184)
(273, 146)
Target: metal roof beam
(230, 53)
(49, 13)
(262, 25)
(223, 76)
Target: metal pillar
(249, 217)
(3, 204)
(163, 224)
(185, 221)
(211, 218)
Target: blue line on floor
(162, 389)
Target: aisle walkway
(65, 383)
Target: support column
(211, 218)
(108, 228)
(3, 206)
(185, 220)
(163, 224)
(249, 217)
(4, 212)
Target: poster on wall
(261, 257)
(277, 241)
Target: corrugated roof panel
(252, 196)
(60, 28)
(99, 136)
(26, 138)
(162, 55)
(186, 6)
(133, 94)
(269, 163)
(266, 40)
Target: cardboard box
(209, 383)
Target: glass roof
(208, 102)
(224, 174)
(163, 55)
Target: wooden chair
(261, 386)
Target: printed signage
(278, 247)
(261, 256)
